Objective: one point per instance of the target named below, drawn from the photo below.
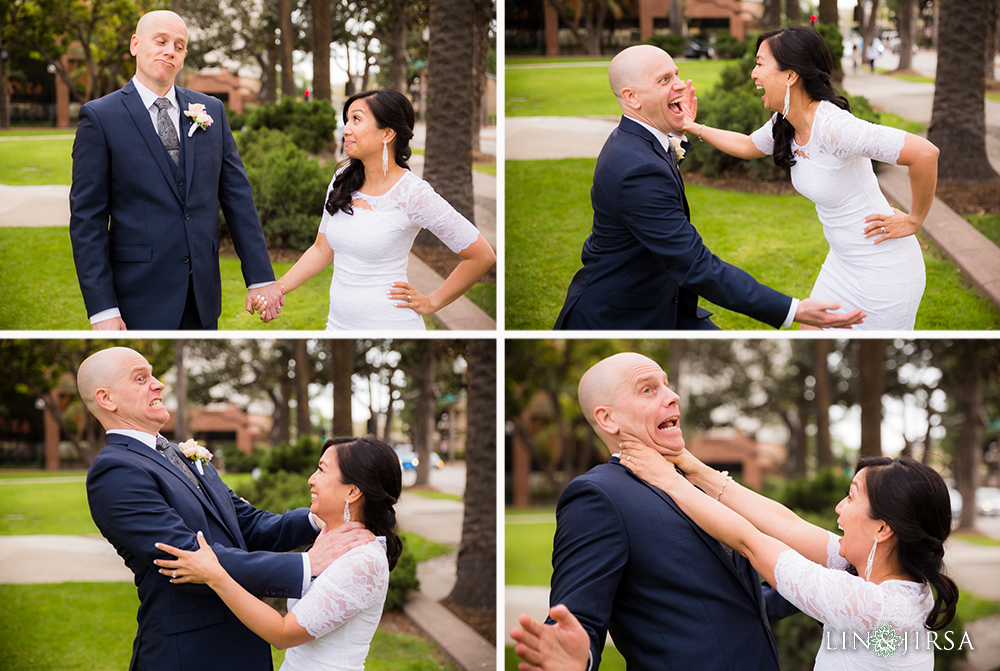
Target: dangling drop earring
(347, 516)
(871, 560)
(385, 155)
(788, 93)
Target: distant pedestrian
(871, 53)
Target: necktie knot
(161, 443)
(162, 103)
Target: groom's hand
(815, 312)
(270, 297)
(113, 324)
(333, 543)
(563, 646)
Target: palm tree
(448, 150)
(322, 36)
(285, 8)
(958, 118)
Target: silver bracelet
(699, 137)
(728, 479)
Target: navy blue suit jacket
(626, 560)
(644, 264)
(138, 498)
(138, 230)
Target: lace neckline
(812, 128)
(362, 194)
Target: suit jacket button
(180, 183)
(185, 259)
(677, 299)
(187, 217)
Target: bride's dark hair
(391, 109)
(912, 499)
(373, 467)
(804, 51)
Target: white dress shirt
(665, 141)
(149, 440)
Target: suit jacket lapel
(629, 126)
(189, 141)
(713, 544)
(140, 116)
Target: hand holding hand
(266, 300)
(563, 646)
(334, 543)
(815, 312)
(201, 566)
(113, 324)
(888, 226)
(411, 298)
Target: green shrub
(300, 457)
(819, 494)
(402, 580)
(311, 126)
(727, 46)
(672, 44)
(235, 461)
(289, 187)
(280, 491)
(834, 41)
(236, 120)
(798, 638)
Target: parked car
(956, 502)
(436, 460)
(407, 457)
(988, 500)
(699, 49)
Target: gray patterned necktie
(165, 129)
(163, 447)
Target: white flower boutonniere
(679, 151)
(202, 119)
(196, 453)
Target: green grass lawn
(58, 508)
(36, 162)
(777, 239)
(896, 121)
(91, 626)
(583, 90)
(987, 224)
(528, 546)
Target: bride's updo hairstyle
(373, 467)
(391, 109)
(804, 51)
(913, 500)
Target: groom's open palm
(563, 646)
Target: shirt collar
(657, 133)
(148, 97)
(147, 439)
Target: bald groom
(644, 264)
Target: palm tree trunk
(287, 45)
(958, 118)
(322, 36)
(871, 363)
(907, 20)
(303, 422)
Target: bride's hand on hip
(409, 297)
(201, 566)
(887, 226)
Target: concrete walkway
(58, 559)
(536, 138)
(974, 567)
(49, 206)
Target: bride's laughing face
(328, 491)
(362, 136)
(770, 78)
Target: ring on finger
(409, 297)
(883, 229)
(628, 458)
(175, 574)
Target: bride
(895, 519)
(829, 152)
(332, 625)
(374, 209)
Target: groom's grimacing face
(647, 408)
(137, 396)
(159, 46)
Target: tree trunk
(481, 19)
(423, 434)
(958, 118)
(400, 59)
(448, 150)
(342, 354)
(475, 585)
(303, 423)
(824, 394)
(4, 93)
(828, 12)
(270, 68)
(907, 26)
(966, 464)
(283, 413)
(871, 364)
(287, 46)
(793, 13)
(772, 15)
(992, 28)
(676, 17)
(181, 432)
(322, 36)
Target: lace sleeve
(326, 215)
(429, 210)
(763, 137)
(844, 135)
(352, 583)
(833, 558)
(836, 598)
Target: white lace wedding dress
(341, 608)
(846, 604)
(833, 169)
(372, 248)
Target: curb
(463, 645)
(969, 249)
